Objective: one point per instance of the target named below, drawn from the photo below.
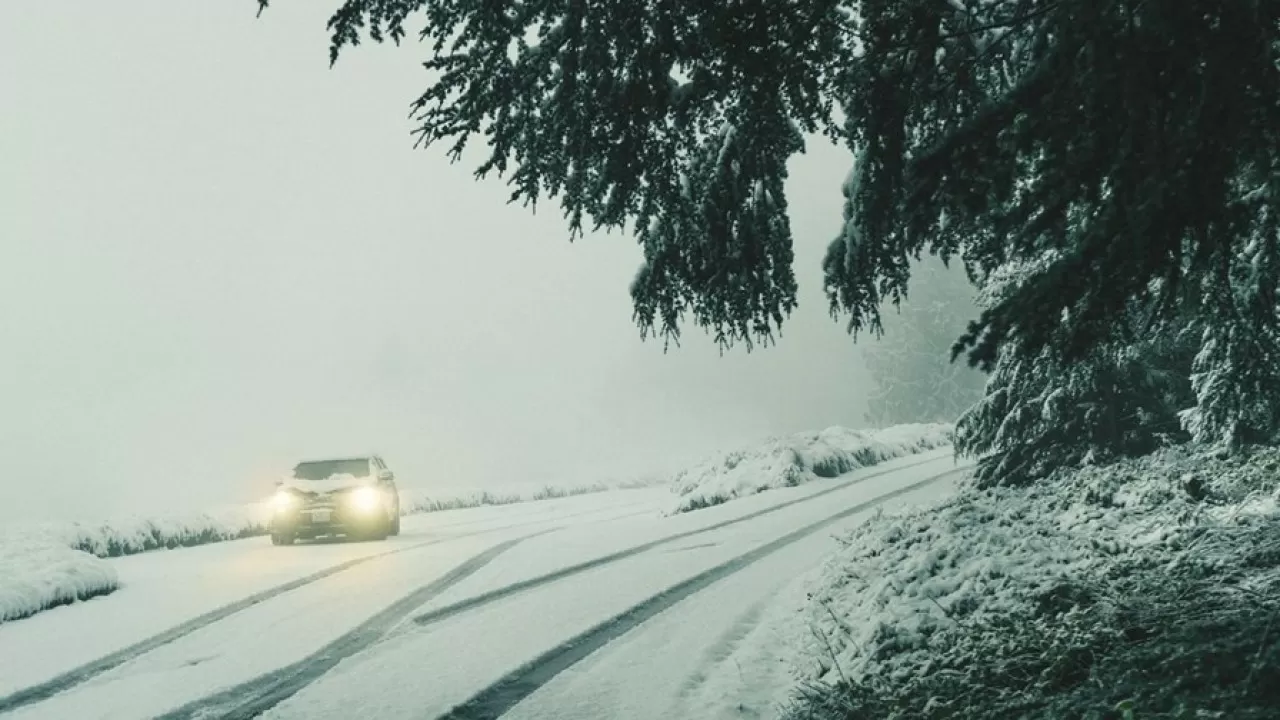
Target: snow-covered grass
(128, 535)
(1149, 585)
(790, 461)
(40, 573)
(437, 498)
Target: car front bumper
(318, 521)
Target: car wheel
(395, 524)
(281, 539)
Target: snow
(735, 637)
(160, 590)
(133, 534)
(333, 483)
(574, 545)
(882, 607)
(800, 458)
(256, 641)
(722, 653)
(435, 498)
(40, 573)
(702, 635)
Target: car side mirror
(386, 476)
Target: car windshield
(323, 470)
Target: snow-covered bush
(131, 535)
(1153, 581)
(792, 460)
(37, 573)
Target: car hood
(331, 484)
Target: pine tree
(1129, 149)
(1041, 413)
(1140, 140)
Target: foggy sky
(217, 255)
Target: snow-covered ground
(40, 569)
(131, 534)
(164, 589)
(796, 459)
(442, 613)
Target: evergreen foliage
(1127, 150)
(1041, 413)
(1140, 140)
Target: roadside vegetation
(797, 459)
(1148, 588)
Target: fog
(218, 255)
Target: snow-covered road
(585, 607)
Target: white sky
(217, 254)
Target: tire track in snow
(532, 516)
(728, 642)
(76, 676)
(448, 611)
(508, 691)
(254, 697)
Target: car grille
(322, 502)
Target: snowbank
(41, 573)
(1082, 593)
(790, 461)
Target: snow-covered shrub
(1153, 581)
(131, 535)
(790, 461)
(37, 573)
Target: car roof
(337, 459)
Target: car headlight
(366, 499)
(283, 500)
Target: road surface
(589, 607)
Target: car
(355, 497)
